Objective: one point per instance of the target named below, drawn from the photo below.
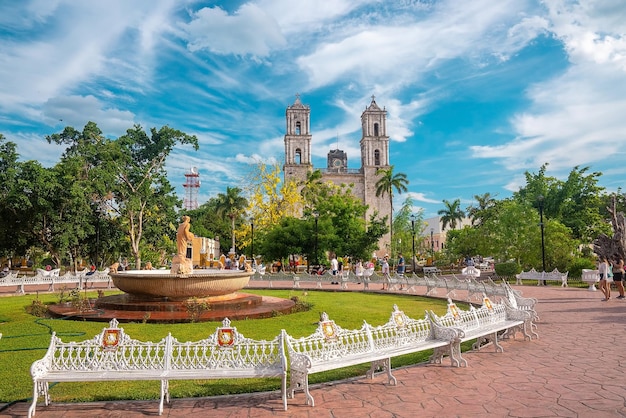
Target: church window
(298, 128)
(376, 157)
(298, 156)
(375, 129)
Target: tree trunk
(613, 248)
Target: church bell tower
(298, 142)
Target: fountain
(180, 295)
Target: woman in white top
(385, 272)
(605, 285)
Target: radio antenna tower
(191, 185)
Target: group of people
(337, 268)
(611, 271)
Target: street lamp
(543, 245)
(432, 244)
(413, 237)
(316, 215)
(252, 246)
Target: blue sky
(477, 92)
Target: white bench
(114, 356)
(332, 347)
(12, 279)
(515, 300)
(483, 324)
(540, 276)
(431, 270)
(591, 277)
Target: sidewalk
(575, 369)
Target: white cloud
(35, 147)
(421, 197)
(592, 30)
(407, 49)
(248, 31)
(76, 111)
(576, 118)
(309, 15)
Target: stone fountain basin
(163, 284)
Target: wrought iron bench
(483, 324)
(591, 277)
(540, 276)
(113, 356)
(331, 347)
(515, 299)
(431, 270)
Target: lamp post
(413, 238)
(316, 216)
(432, 244)
(543, 245)
(252, 246)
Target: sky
(477, 93)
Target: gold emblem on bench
(110, 338)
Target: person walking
(605, 285)
(334, 268)
(618, 276)
(385, 272)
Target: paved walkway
(575, 369)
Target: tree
(482, 210)
(15, 236)
(288, 237)
(386, 184)
(402, 225)
(464, 243)
(451, 214)
(514, 234)
(341, 226)
(231, 204)
(613, 246)
(576, 202)
(128, 177)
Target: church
(374, 145)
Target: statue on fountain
(180, 263)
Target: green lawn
(25, 339)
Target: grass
(26, 338)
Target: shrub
(38, 309)
(576, 267)
(507, 269)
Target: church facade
(374, 146)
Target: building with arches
(374, 146)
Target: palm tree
(478, 213)
(385, 185)
(231, 204)
(451, 214)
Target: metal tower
(191, 185)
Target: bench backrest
(227, 349)
(475, 318)
(111, 350)
(400, 330)
(590, 275)
(330, 341)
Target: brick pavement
(575, 369)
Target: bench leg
(300, 381)
(384, 364)
(165, 394)
(481, 341)
(40, 388)
(529, 330)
